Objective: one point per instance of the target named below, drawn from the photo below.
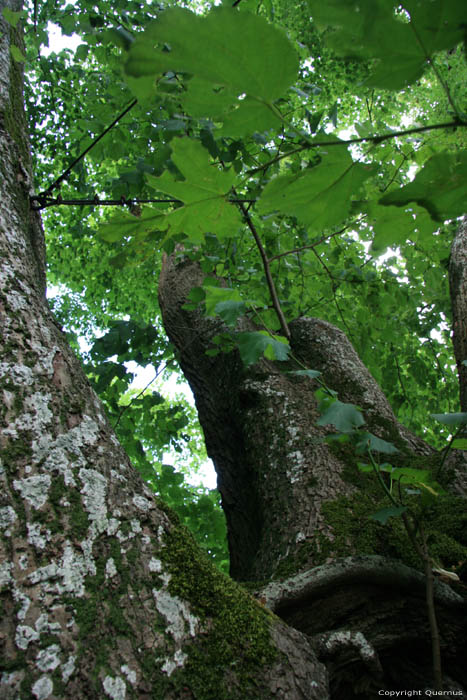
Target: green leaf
(401, 46)
(311, 373)
(230, 311)
(217, 295)
(459, 444)
(248, 117)
(17, 54)
(203, 193)
(371, 442)
(237, 50)
(394, 225)
(383, 515)
(344, 416)
(255, 344)
(450, 418)
(440, 186)
(123, 225)
(321, 196)
(11, 17)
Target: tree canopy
(312, 156)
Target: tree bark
(103, 594)
(458, 290)
(286, 491)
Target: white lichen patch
(115, 688)
(129, 673)
(295, 464)
(68, 575)
(25, 635)
(176, 661)
(112, 526)
(42, 688)
(17, 373)
(155, 565)
(34, 489)
(142, 503)
(37, 536)
(7, 518)
(5, 573)
(110, 568)
(94, 496)
(25, 603)
(136, 527)
(38, 415)
(177, 614)
(68, 669)
(48, 659)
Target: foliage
(278, 145)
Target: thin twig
(345, 142)
(267, 271)
(65, 174)
(308, 247)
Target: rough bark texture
(458, 289)
(102, 594)
(281, 482)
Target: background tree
(267, 218)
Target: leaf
(230, 311)
(203, 193)
(370, 29)
(321, 196)
(255, 344)
(394, 225)
(237, 50)
(124, 224)
(11, 17)
(371, 442)
(311, 373)
(216, 295)
(343, 416)
(459, 444)
(417, 477)
(450, 418)
(440, 186)
(17, 54)
(248, 117)
(383, 515)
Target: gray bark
(102, 593)
(458, 290)
(276, 475)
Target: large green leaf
(383, 515)
(395, 225)
(450, 418)
(203, 193)
(440, 187)
(227, 48)
(253, 345)
(401, 44)
(343, 416)
(321, 196)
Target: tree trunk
(458, 289)
(103, 594)
(297, 507)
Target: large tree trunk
(103, 594)
(458, 289)
(296, 506)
